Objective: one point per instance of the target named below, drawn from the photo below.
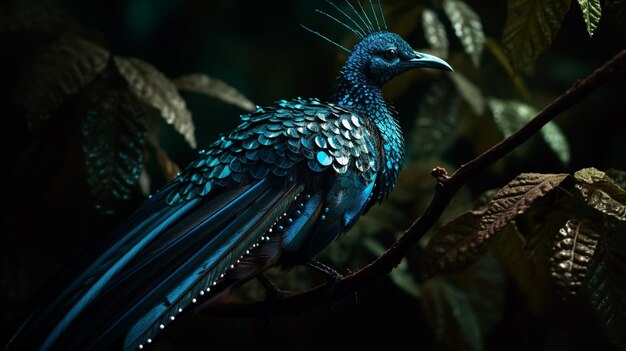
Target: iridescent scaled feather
(274, 191)
(273, 140)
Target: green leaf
(154, 89)
(531, 26)
(470, 93)
(437, 120)
(553, 136)
(463, 307)
(203, 84)
(113, 139)
(606, 283)
(66, 67)
(601, 193)
(467, 27)
(572, 249)
(511, 115)
(592, 11)
(435, 33)
(449, 312)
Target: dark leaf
(601, 193)
(63, 69)
(437, 120)
(617, 177)
(526, 261)
(203, 84)
(514, 199)
(467, 27)
(592, 11)
(449, 248)
(470, 93)
(463, 307)
(435, 33)
(606, 282)
(113, 139)
(498, 53)
(530, 27)
(463, 240)
(156, 90)
(449, 313)
(572, 250)
(36, 15)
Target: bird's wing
(182, 240)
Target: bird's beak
(422, 60)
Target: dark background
(259, 48)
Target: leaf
(203, 84)
(463, 240)
(470, 93)
(435, 33)
(511, 115)
(530, 27)
(66, 67)
(618, 177)
(113, 139)
(606, 284)
(153, 88)
(592, 11)
(599, 192)
(526, 262)
(498, 52)
(443, 252)
(553, 136)
(572, 249)
(437, 120)
(450, 314)
(514, 199)
(462, 308)
(467, 27)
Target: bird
(274, 191)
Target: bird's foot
(333, 277)
(272, 292)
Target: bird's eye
(390, 55)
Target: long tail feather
(158, 264)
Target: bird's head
(380, 55)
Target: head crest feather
(361, 26)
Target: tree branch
(446, 188)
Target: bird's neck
(355, 93)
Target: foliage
(556, 235)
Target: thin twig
(447, 187)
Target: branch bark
(446, 188)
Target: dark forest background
(56, 204)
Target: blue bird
(272, 192)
